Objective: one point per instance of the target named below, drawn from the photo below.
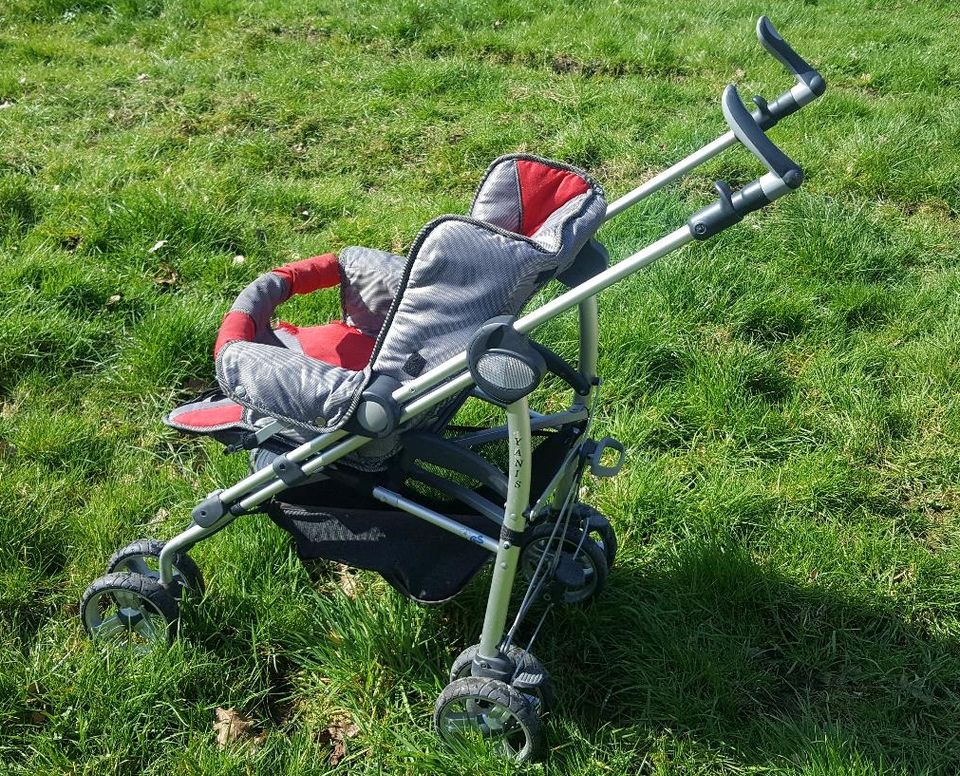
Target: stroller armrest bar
(236, 326)
(309, 275)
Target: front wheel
(143, 557)
(491, 713)
(130, 609)
(530, 677)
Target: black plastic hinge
(290, 472)
(248, 441)
(716, 217)
(500, 667)
(208, 511)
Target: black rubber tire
(186, 573)
(608, 537)
(545, 696)
(149, 592)
(491, 693)
(589, 549)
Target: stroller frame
(458, 375)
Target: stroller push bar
(783, 176)
(809, 86)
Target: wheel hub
(129, 617)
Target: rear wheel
(598, 526)
(584, 553)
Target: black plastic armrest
(563, 370)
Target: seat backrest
(529, 219)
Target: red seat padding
(543, 190)
(217, 415)
(335, 343)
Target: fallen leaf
(168, 278)
(257, 741)
(348, 583)
(338, 753)
(231, 726)
(196, 385)
(339, 730)
(70, 242)
(114, 299)
(159, 518)
(157, 246)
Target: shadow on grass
(724, 654)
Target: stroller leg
(184, 541)
(514, 523)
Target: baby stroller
(349, 425)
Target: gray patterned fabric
(465, 271)
(497, 200)
(287, 385)
(259, 300)
(369, 281)
(460, 272)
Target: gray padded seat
(529, 219)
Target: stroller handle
(810, 85)
(749, 132)
(783, 174)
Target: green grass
(787, 598)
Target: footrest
(529, 680)
(208, 414)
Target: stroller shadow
(735, 659)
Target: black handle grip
(782, 51)
(749, 133)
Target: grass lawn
(787, 598)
